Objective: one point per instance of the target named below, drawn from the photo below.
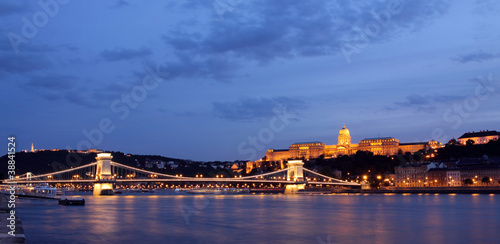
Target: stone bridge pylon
(104, 178)
(295, 173)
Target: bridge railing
(326, 179)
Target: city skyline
(462, 140)
(197, 80)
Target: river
(270, 218)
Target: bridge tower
(104, 179)
(295, 173)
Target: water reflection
(388, 218)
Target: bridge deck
(214, 180)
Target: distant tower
(344, 136)
(32, 147)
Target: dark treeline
(452, 150)
(361, 163)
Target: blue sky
(228, 79)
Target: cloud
(486, 7)
(262, 32)
(478, 56)
(22, 63)
(55, 87)
(12, 7)
(51, 86)
(29, 48)
(121, 4)
(252, 109)
(425, 103)
(125, 54)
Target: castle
(378, 146)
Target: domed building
(344, 137)
(343, 147)
(378, 146)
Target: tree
(486, 180)
(468, 182)
(452, 142)
(469, 142)
(326, 170)
(374, 181)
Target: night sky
(228, 79)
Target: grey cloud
(29, 48)
(51, 87)
(85, 97)
(265, 31)
(121, 4)
(12, 7)
(213, 67)
(484, 7)
(252, 109)
(52, 82)
(22, 63)
(424, 103)
(125, 54)
(66, 87)
(478, 56)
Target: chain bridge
(104, 174)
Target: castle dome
(344, 132)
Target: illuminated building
(481, 137)
(378, 146)
(412, 175)
(451, 174)
(454, 177)
(306, 150)
(411, 147)
(277, 154)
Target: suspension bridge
(104, 173)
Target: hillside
(42, 162)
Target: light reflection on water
(362, 218)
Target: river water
(270, 218)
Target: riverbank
(5, 214)
(429, 190)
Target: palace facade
(479, 137)
(378, 146)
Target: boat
(37, 191)
(60, 192)
(309, 192)
(72, 201)
(148, 191)
(204, 191)
(233, 191)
